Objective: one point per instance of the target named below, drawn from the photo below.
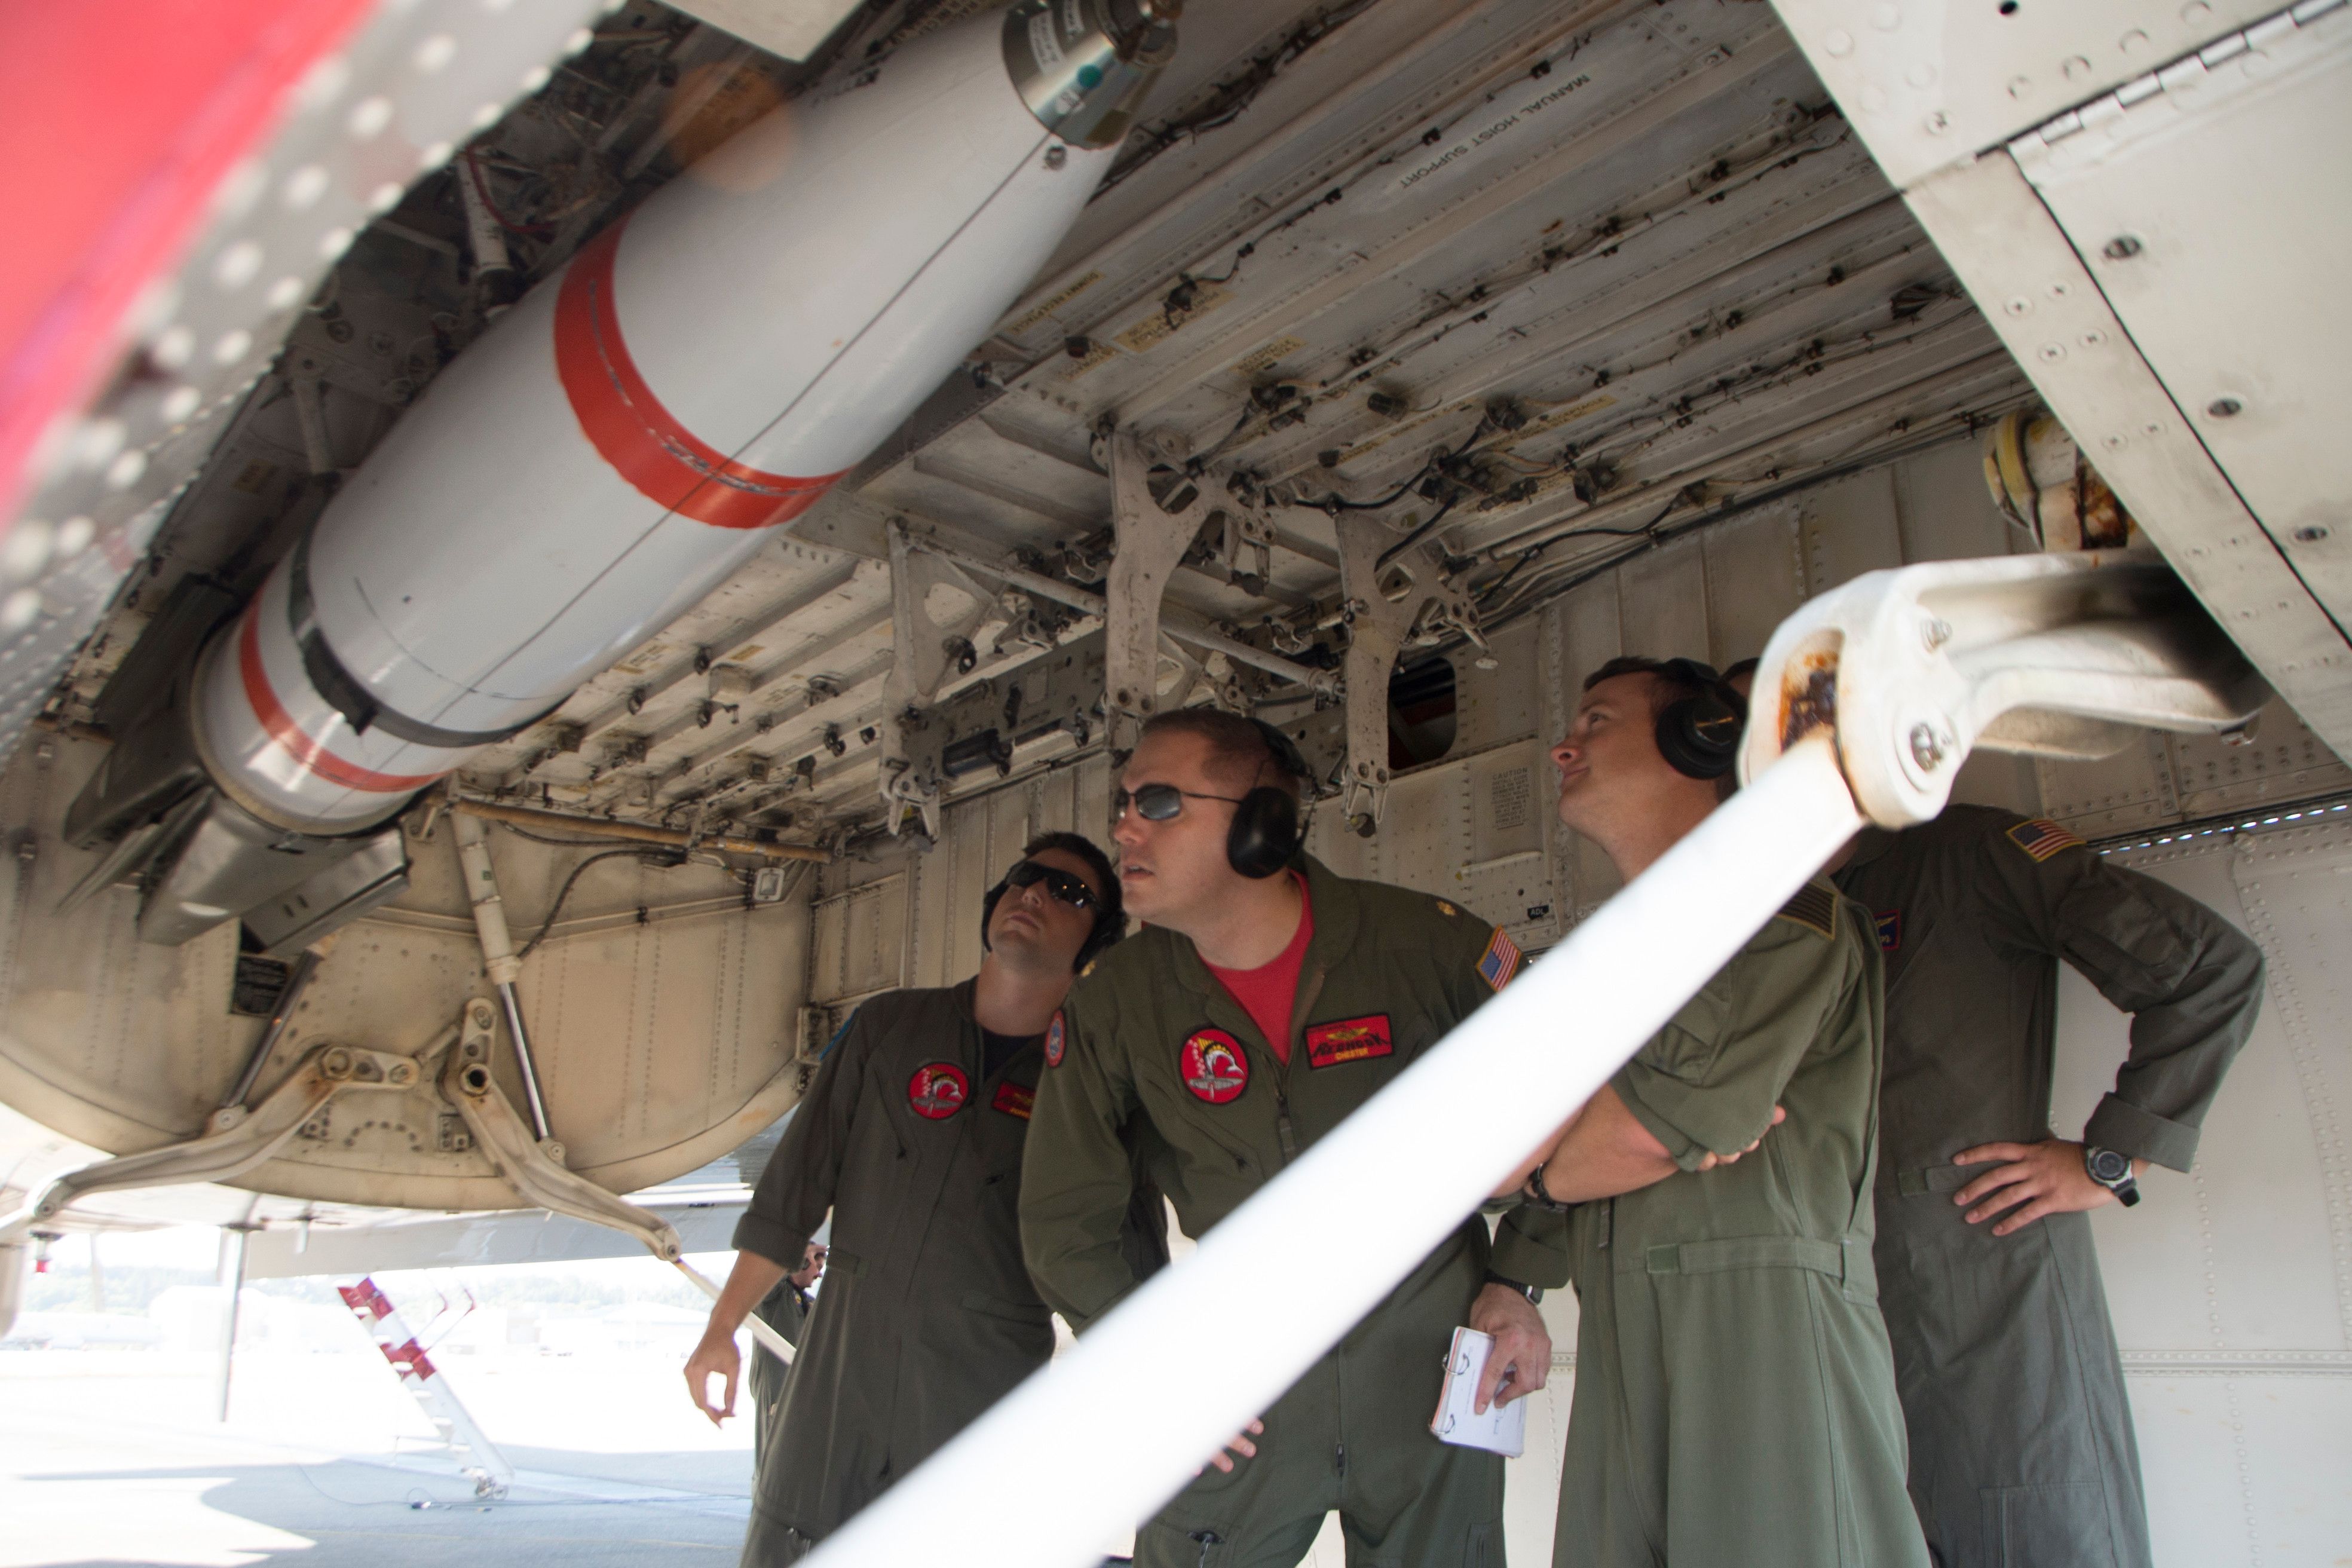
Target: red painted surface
(117, 119)
(644, 442)
(312, 754)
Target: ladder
(478, 1457)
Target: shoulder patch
(1500, 961)
(1890, 930)
(1813, 907)
(2040, 838)
(1058, 1040)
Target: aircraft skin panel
(660, 1008)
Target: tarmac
(118, 1458)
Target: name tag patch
(1890, 930)
(1013, 1099)
(1058, 1040)
(938, 1090)
(2040, 838)
(1349, 1040)
(1214, 1067)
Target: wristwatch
(2112, 1171)
(1534, 1293)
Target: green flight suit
(928, 1316)
(1150, 1033)
(2021, 1445)
(1735, 1400)
(785, 1310)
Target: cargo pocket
(2062, 1525)
(839, 1262)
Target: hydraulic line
(497, 954)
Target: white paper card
(1503, 1429)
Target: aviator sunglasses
(1159, 802)
(1065, 887)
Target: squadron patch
(1213, 1066)
(1058, 1040)
(2040, 838)
(1013, 1099)
(1349, 1040)
(1500, 962)
(1890, 930)
(938, 1090)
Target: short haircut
(1110, 911)
(1239, 752)
(1672, 680)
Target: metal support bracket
(322, 1074)
(1384, 602)
(535, 1171)
(1151, 540)
(2055, 655)
(931, 644)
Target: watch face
(2107, 1165)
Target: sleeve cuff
(2126, 1128)
(777, 1242)
(1531, 1246)
(1687, 1151)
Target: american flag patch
(2040, 838)
(1500, 962)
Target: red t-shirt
(1267, 994)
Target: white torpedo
(625, 436)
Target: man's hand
(1711, 1159)
(715, 1356)
(1241, 1445)
(1521, 1358)
(2048, 1177)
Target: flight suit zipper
(1310, 986)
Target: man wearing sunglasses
(1264, 1000)
(911, 1136)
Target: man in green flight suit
(785, 1310)
(1264, 1000)
(1735, 1400)
(2021, 1445)
(911, 1135)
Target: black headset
(1267, 832)
(1108, 928)
(1700, 736)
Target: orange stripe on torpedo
(312, 754)
(641, 439)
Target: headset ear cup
(1700, 736)
(1265, 834)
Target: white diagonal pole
(1122, 1422)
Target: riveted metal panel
(1663, 600)
(1755, 577)
(2231, 1287)
(1928, 81)
(1848, 528)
